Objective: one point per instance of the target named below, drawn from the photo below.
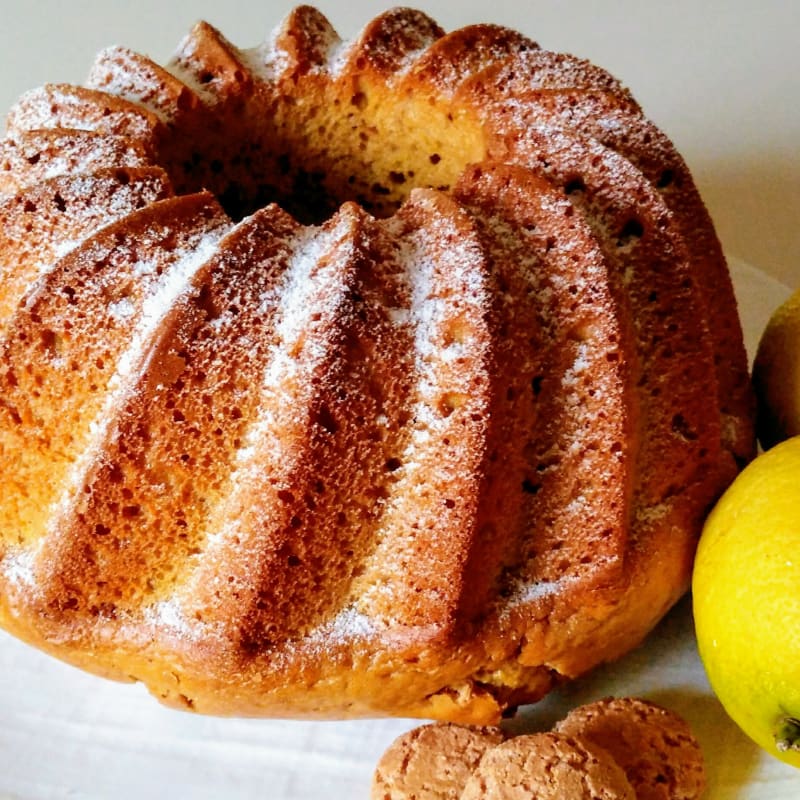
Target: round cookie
(655, 747)
(432, 762)
(547, 766)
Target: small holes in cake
(529, 487)
(15, 415)
(575, 186)
(450, 401)
(359, 100)
(393, 464)
(322, 154)
(536, 385)
(631, 230)
(666, 179)
(682, 428)
(51, 343)
(325, 419)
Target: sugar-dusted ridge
(85, 354)
(39, 155)
(42, 223)
(57, 106)
(134, 77)
(576, 456)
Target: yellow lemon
(776, 375)
(746, 590)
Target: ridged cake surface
(389, 376)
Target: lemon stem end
(787, 736)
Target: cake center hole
(322, 147)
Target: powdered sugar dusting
(158, 302)
(445, 270)
(72, 107)
(43, 155)
(126, 74)
(18, 567)
(347, 625)
(167, 617)
(190, 80)
(583, 361)
(430, 307)
(266, 62)
(308, 293)
(525, 593)
(309, 297)
(390, 43)
(647, 515)
(446, 318)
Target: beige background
(723, 80)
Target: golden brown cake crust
(354, 378)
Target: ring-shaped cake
(389, 376)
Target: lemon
(776, 374)
(746, 590)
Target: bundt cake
(391, 376)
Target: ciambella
(388, 376)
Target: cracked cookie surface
(547, 766)
(654, 746)
(432, 762)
